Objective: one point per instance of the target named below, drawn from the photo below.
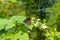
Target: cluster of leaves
(9, 8)
(54, 15)
(13, 29)
(38, 8)
(51, 35)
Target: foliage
(11, 26)
(14, 12)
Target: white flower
(44, 26)
(37, 23)
(38, 20)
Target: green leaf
(19, 19)
(22, 36)
(23, 28)
(30, 27)
(10, 24)
(18, 36)
(2, 37)
(13, 0)
(3, 23)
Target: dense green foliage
(44, 14)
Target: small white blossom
(37, 23)
(38, 20)
(44, 26)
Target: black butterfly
(27, 21)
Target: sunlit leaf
(3, 23)
(9, 25)
(13, 1)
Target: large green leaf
(22, 36)
(9, 25)
(3, 23)
(2, 37)
(18, 36)
(18, 19)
